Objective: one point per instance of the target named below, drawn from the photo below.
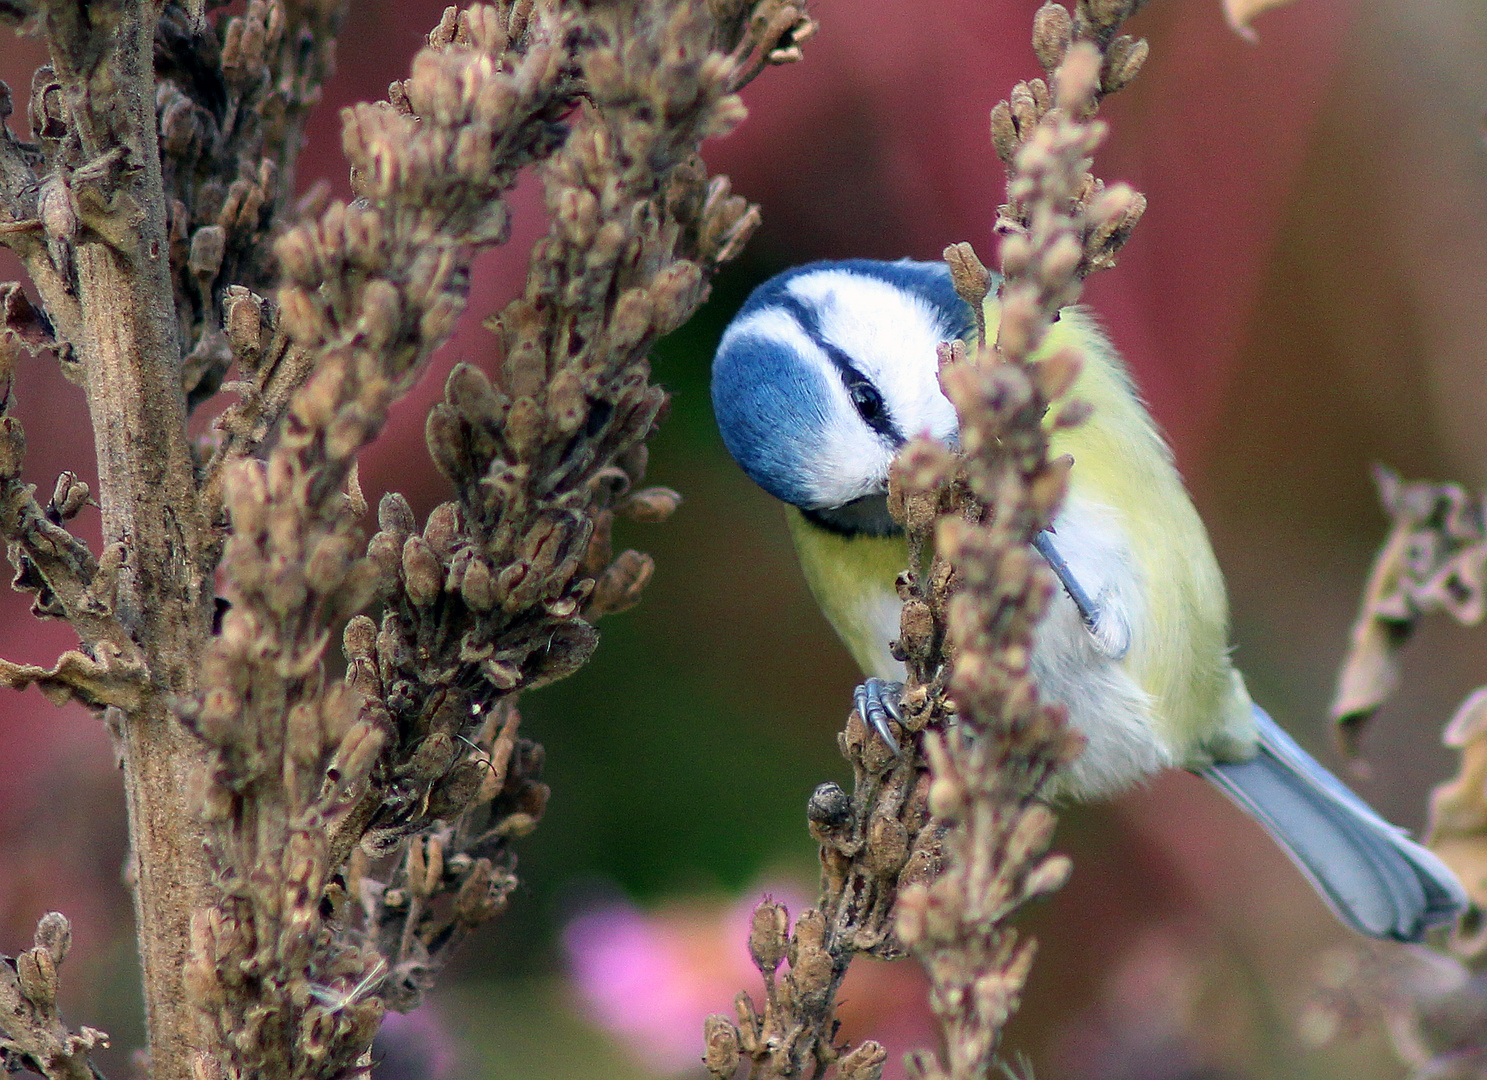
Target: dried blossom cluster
(875, 843)
(977, 604)
(498, 591)
(1433, 1005)
(987, 590)
(1433, 560)
(39, 1040)
(309, 849)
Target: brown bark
(129, 356)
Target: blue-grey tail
(1377, 880)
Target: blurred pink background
(1305, 296)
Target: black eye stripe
(866, 398)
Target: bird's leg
(877, 701)
(1111, 633)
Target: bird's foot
(878, 701)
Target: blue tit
(818, 381)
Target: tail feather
(1372, 875)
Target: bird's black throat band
(867, 516)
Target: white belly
(1105, 704)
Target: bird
(829, 368)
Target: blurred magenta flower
(414, 1046)
(651, 977)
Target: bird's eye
(867, 400)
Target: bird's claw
(877, 701)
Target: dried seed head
(445, 435)
(1073, 414)
(811, 964)
(769, 934)
(432, 759)
(1123, 60)
(69, 496)
(54, 935)
(302, 735)
(385, 552)
(1026, 111)
(829, 808)
(326, 569)
(1048, 876)
(423, 574)
(395, 516)
(653, 504)
(971, 278)
(443, 529)
(1060, 260)
(37, 973)
(865, 1063)
(1016, 253)
(887, 845)
(1053, 29)
(483, 894)
(721, 1056)
(356, 755)
(208, 245)
(1003, 131)
(478, 586)
(916, 629)
(1078, 77)
(470, 393)
(621, 584)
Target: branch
(103, 274)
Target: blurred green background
(1305, 296)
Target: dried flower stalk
(883, 848)
(1433, 560)
(875, 843)
(308, 852)
(986, 590)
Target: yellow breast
(1179, 649)
(1192, 702)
